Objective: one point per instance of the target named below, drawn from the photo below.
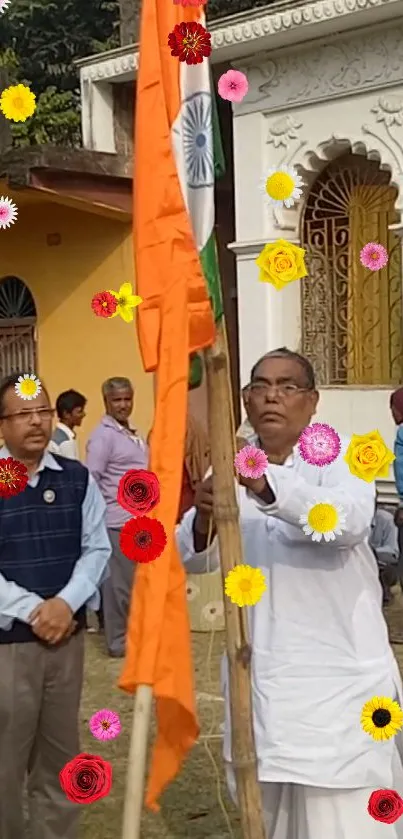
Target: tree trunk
(129, 21)
(226, 516)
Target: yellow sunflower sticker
(245, 585)
(381, 718)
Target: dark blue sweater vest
(40, 542)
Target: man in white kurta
(319, 640)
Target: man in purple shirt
(112, 449)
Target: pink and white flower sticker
(3, 5)
(251, 462)
(374, 256)
(8, 212)
(319, 444)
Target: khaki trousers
(40, 690)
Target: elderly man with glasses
(54, 550)
(320, 648)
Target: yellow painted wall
(77, 349)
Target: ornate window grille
(18, 346)
(351, 317)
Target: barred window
(351, 316)
(18, 347)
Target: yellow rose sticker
(368, 456)
(281, 263)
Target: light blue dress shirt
(89, 571)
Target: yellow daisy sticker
(381, 718)
(283, 185)
(28, 386)
(245, 585)
(127, 301)
(17, 103)
(323, 521)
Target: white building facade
(325, 96)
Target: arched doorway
(18, 350)
(352, 317)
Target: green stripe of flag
(209, 254)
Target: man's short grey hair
(116, 383)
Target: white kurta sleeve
(195, 563)
(294, 497)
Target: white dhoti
(296, 811)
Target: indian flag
(199, 160)
(174, 252)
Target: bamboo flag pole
(226, 516)
(136, 770)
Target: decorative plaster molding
(116, 65)
(334, 69)
(283, 130)
(245, 251)
(259, 26)
(248, 28)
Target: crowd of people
(319, 638)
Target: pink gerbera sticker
(251, 462)
(8, 212)
(374, 256)
(105, 725)
(319, 444)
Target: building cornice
(238, 36)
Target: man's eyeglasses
(26, 416)
(284, 391)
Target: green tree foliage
(224, 8)
(40, 40)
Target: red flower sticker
(190, 42)
(104, 304)
(385, 805)
(86, 778)
(142, 539)
(13, 477)
(139, 491)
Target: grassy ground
(191, 805)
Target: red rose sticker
(138, 492)
(142, 539)
(86, 778)
(385, 805)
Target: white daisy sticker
(28, 386)
(323, 521)
(283, 186)
(3, 5)
(8, 212)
